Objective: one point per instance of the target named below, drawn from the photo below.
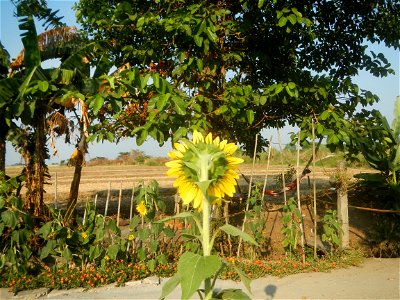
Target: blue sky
(386, 88)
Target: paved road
(375, 279)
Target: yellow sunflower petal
(197, 201)
(174, 163)
(197, 137)
(217, 201)
(175, 172)
(188, 191)
(180, 147)
(216, 141)
(222, 144)
(232, 174)
(213, 191)
(230, 148)
(180, 181)
(209, 139)
(175, 154)
(226, 187)
(234, 160)
(229, 179)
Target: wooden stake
(95, 202)
(282, 171)
(119, 203)
(249, 194)
(298, 200)
(108, 199)
(132, 200)
(84, 216)
(266, 172)
(55, 193)
(314, 190)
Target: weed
(331, 230)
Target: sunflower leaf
(170, 285)
(193, 269)
(232, 230)
(183, 215)
(243, 278)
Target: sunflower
(203, 167)
(141, 209)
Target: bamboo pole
(249, 193)
(84, 216)
(119, 203)
(132, 200)
(108, 199)
(55, 193)
(266, 172)
(282, 171)
(298, 199)
(314, 190)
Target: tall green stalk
(203, 176)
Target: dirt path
(375, 279)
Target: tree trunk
(3, 132)
(70, 214)
(36, 168)
(2, 155)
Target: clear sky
(386, 88)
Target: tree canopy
(237, 67)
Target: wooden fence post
(343, 208)
(55, 193)
(108, 199)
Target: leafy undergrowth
(119, 271)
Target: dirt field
(97, 180)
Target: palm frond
(39, 9)
(103, 66)
(66, 76)
(396, 120)
(80, 59)
(30, 41)
(59, 42)
(8, 89)
(36, 73)
(4, 61)
(396, 132)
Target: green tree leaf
(162, 101)
(282, 21)
(292, 18)
(9, 218)
(198, 40)
(97, 103)
(250, 116)
(43, 86)
(179, 105)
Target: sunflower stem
(206, 224)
